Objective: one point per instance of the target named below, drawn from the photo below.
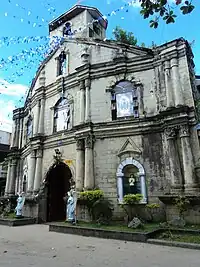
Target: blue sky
(22, 18)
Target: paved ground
(35, 246)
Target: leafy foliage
(153, 206)
(124, 37)
(100, 209)
(182, 203)
(132, 199)
(164, 9)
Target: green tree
(124, 36)
(164, 9)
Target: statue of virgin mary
(71, 206)
(20, 204)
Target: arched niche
(140, 180)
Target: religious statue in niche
(20, 205)
(71, 201)
(62, 63)
(66, 117)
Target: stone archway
(58, 184)
(120, 176)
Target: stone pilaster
(8, 178)
(13, 134)
(175, 171)
(178, 94)
(24, 132)
(36, 119)
(38, 171)
(89, 181)
(191, 184)
(79, 165)
(140, 90)
(20, 132)
(16, 143)
(168, 85)
(87, 100)
(41, 117)
(11, 190)
(82, 102)
(31, 172)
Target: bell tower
(79, 22)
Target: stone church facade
(122, 118)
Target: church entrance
(58, 178)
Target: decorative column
(20, 132)
(36, 119)
(89, 163)
(87, 100)
(82, 102)
(168, 85)
(31, 172)
(79, 165)
(13, 134)
(191, 184)
(11, 190)
(143, 189)
(41, 117)
(176, 176)
(8, 178)
(23, 132)
(16, 143)
(38, 171)
(178, 94)
(141, 101)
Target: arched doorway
(58, 178)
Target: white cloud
(10, 95)
(9, 89)
(6, 115)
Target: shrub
(182, 204)
(99, 208)
(91, 196)
(151, 207)
(132, 199)
(130, 205)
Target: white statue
(20, 204)
(71, 206)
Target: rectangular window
(91, 33)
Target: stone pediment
(129, 146)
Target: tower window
(67, 31)
(124, 101)
(91, 33)
(96, 28)
(62, 115)
(29, 129)
(62, 64)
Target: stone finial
(85, 56)
(42, 78)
